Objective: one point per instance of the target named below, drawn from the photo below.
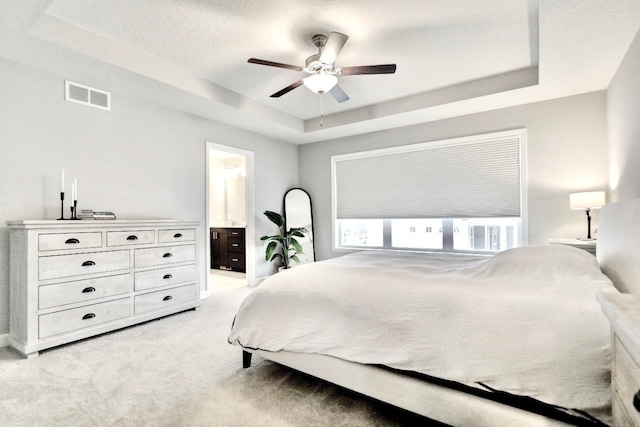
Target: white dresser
(74, 279)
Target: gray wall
(566, 152)
(623, 111)
(139, 160)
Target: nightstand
(624, 316)
(587, 245)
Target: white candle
(75, 186)
(62, 185)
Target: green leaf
(297, 233)
(296, 245)
(276, 256)
(275, 218)
(295, 258)
(275, 237)
(271, 247)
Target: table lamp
(587, 201)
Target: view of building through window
(485, 234)
(361, 233)
(416, 233)
(451, 235)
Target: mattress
(524, 321)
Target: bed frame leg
(246, 359)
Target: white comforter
(524, 321)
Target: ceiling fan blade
(368, 69)
(274, 64)
(287, 89)
(332, 48)
(339, 94)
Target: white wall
(140, 160)
(623, 114)
(566, 152)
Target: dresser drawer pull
(167, 276)
(88, 263)
(177, 235)
(167, 298)
(636, 401)
(88, 316)
(167, 255)
(72, 241)
(132, 237)
(234, 259)
(235, 245)
(234, 233)
(88, 290)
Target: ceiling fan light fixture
(320, 83)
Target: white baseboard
(4, 340)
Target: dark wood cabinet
(218, 247)
(228, 249)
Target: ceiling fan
(321, 67)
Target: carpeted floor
(176, 371)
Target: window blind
(469, 177)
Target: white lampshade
(320, 83)
(587, 200)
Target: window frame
(521, 133)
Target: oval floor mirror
(297, 213)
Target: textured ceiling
(454, 56)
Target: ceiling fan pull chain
(321, 113)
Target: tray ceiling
(453, 57)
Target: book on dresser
(91, 214)
(73, 280)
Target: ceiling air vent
(87, 95)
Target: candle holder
(74, 210)
(61, 206)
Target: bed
(461, 339)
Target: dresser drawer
(127, 238)
(626, 380)
(236, 261)
(182, 235)
(163, 299)
(235, 244)
(236, 232)
(166, 255)
(83, 290)
(65, 321)
(165, 276)
(57, 266)
(59, 241)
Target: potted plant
(284, 246)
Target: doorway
(229, 217)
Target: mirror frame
(286, 225)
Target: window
(403, 234)
(466, 234)
(463, 194)
(361, 233)
(485, 234)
